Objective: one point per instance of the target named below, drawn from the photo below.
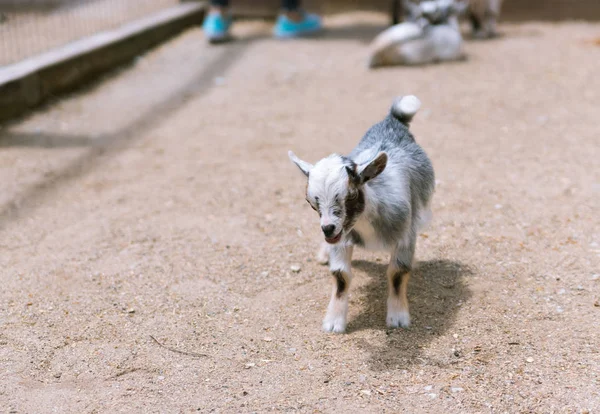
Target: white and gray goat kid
(377, 197)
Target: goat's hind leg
(340, 267)
(323, 253)
(398, 274)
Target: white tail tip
(406, 107)
(409, 105)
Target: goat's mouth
(334, 239)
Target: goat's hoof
(334, 325)
(480, 35)
(398, 319)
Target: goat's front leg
(398, 274)
(340, 259)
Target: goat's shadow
(436, 291)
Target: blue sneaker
(286, 28)
(216, 27)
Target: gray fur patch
(394, 215)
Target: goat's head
(434, 11)
(336, 191)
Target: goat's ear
(373, 168)
(412, 10)
(459, 7)
(304, 166)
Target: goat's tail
(405, 107)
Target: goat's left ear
(373, 168)
(459, 7)
(304, 166)
(411, 10)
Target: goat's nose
(328, 230)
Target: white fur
(417, 42)
(335, 318)
(328, 183)
(323, 254)
(397, 316)
(408, 105)
(303, 165)
(337, 310)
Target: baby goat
(376, 197)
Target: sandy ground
(148, 226)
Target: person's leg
(293, 22)
(290, 5)
(219, 3)
(217, 21)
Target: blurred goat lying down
(430, 35)
(431, 32)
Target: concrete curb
(30, 82)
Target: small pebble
(295, 268)
(58, 375)
(596, 277)
(267, 339)
(530, 359)
(250, 365)
(498, 206)
(542, 119)
(366, 392)
(432, 395)
(130, 310)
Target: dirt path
(161, 204)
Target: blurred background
(28, 27)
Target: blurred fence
(29, 27)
